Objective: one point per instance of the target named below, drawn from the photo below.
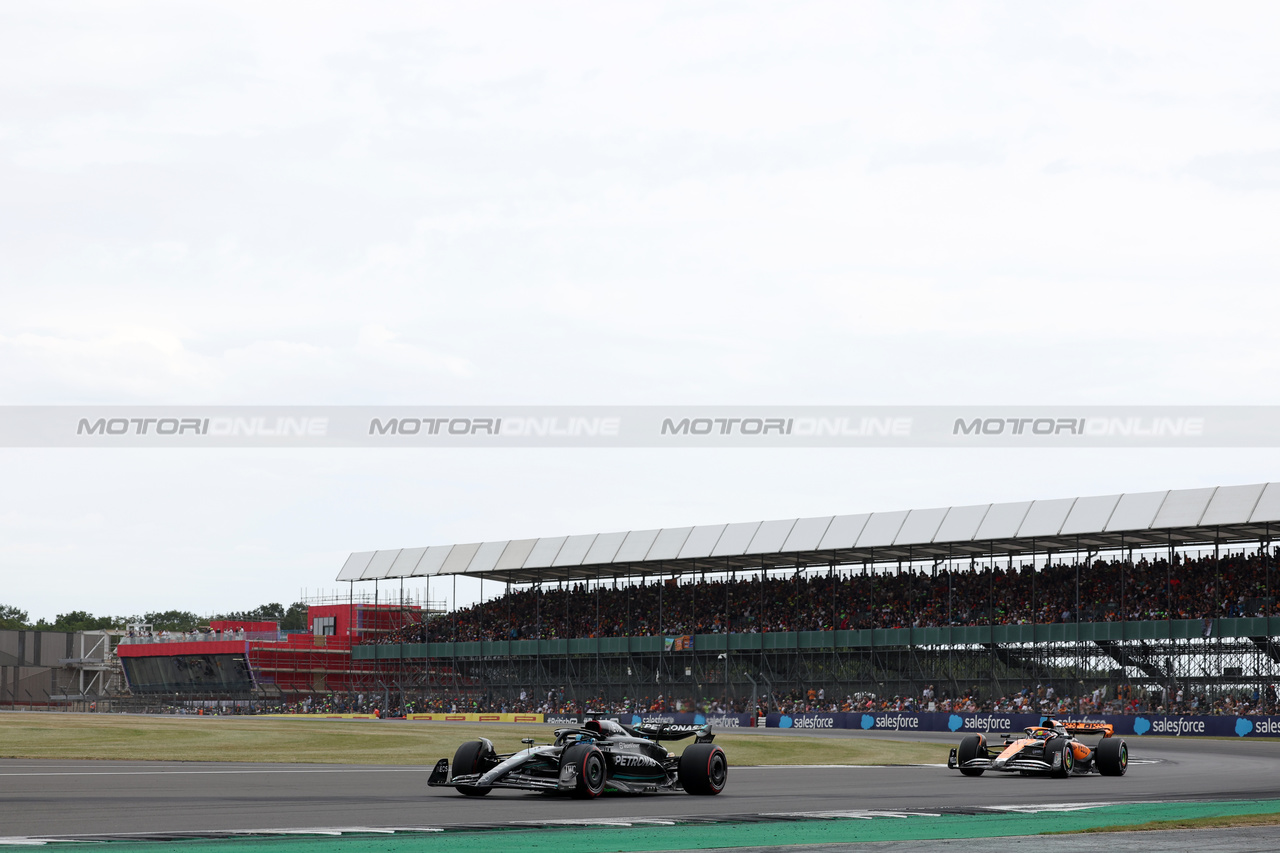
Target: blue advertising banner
(966, 723)
(1128, 725)
(807, 721)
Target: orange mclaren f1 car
(1050, 749)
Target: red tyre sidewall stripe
(583, 771)
(710, 758)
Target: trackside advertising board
(963, 723)
(1135, 725)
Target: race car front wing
(1017, 763)
(439, 778)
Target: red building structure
(239, 660)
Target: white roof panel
(1183, 508)
(406, 562)
(432, 561)
(1136, 510)
(379, 565)
(735, 539)
(1268, 508)
(1232, 504)
(636, 546)
(921, 526)
(807, 533)
(574, 550)
(544, 552)
(881, 529)
(459, 558)
(1090, 515)
(516, 552)
(1002, 521)
(605, 548)
(843, 531)
(701, 541)
(1045, 518)
(771, 536)
(961, 523)
(668, 544)
(486, 558)
(354, 566)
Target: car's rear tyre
(703, 769)
(1060, 746)
(974, 746)
(474, 756)
(589, 761)
(1112, 757)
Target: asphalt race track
(94, 798)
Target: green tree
(80, 620)
(262, 613)
(295, 618)
(171, 620)
(12, 619)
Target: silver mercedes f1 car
(585, 762)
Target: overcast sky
(555, 203)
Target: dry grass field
(260, 739)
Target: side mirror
(527, 741)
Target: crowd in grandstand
(1236, 584)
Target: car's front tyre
(1112, 757)
(588, 761)
(1060, 746)
(704, 769)
(973, 746)
(474, 756)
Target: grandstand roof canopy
(1179, 517)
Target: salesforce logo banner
(727, 721)
(678, 719)
(1171, 726)
(983, 723)
(807, 721)
(998, 724)
(890, 721)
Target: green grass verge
(128, 738)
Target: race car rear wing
(1104, 729)
(673, 731)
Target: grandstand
(1152, 595)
